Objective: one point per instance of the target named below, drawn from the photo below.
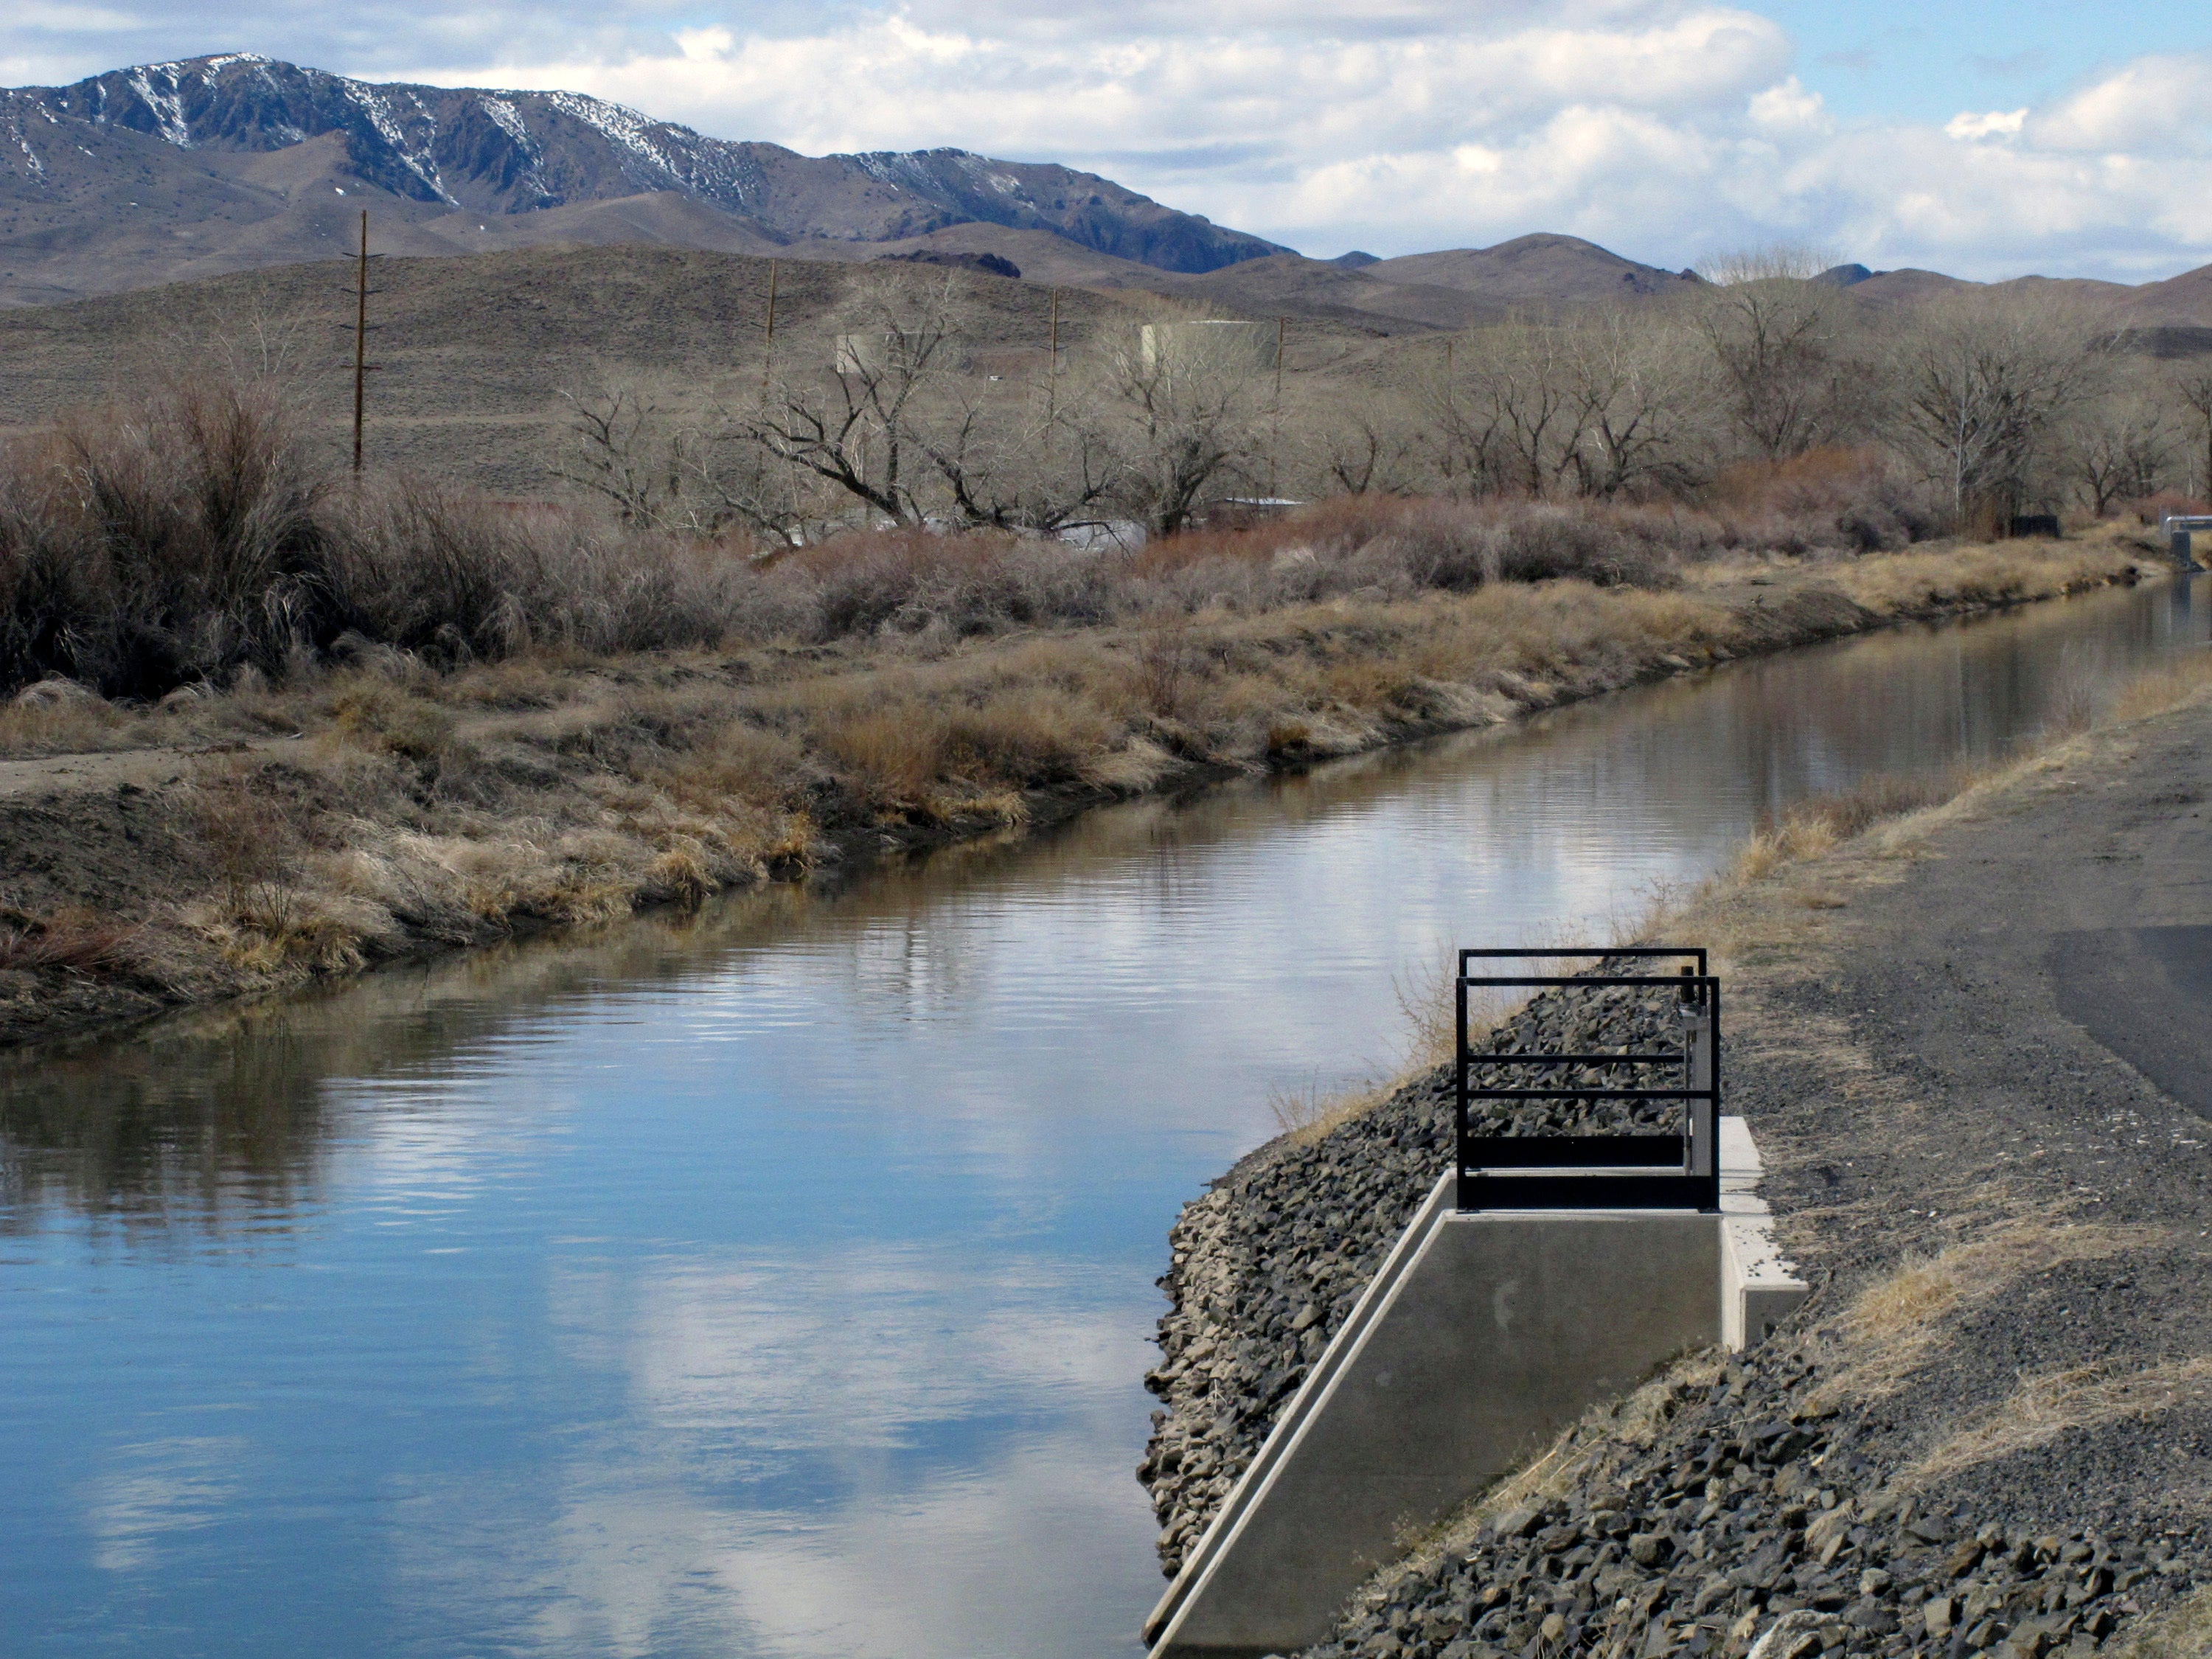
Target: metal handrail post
(1459, 1078)
(1701, 1067)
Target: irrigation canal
(779, 1280)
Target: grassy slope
(419, 812)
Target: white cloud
(1663, 130)
(1788, 110)
(1663, 127)
(1992, 124)
(888, 1452)
(2153, 106)
(153, 1490)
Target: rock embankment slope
(1265, 1267)
(1991, 1429)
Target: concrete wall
(1759, 1288)
(1480, 1340)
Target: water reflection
(776, 1281)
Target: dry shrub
(1857, 500)
(247, 831)
(741, 760)
(141, 550)
(1391, 546)
(2183, 1631)
(188, 542)
(906, 580)
(266, 927)
(384, 719)
(72, 940)
(58, 723)
(1028, 736)
(1809, 828)
(454, 577)
(681, 876)
(899, 753)
(1305, 1115)
(2165, 687)
(1137, 766)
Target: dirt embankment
(1991, 1429)
(258, 840)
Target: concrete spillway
(1481, 1338)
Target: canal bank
(1992, 1425)
(404, 813)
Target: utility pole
(1275, 439)
(1052, 373)
(360, 341)
(767, 356)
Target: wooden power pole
(360, 341)
(768, 353)
(1051, 370)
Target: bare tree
(661, 472)
(1359, 445)
(2192, 389)
(855, 429)
(1633, 382)
(1769, 262)
(1777, 342)
(1506, 413)
(1038, 459)
(1186, 422)
(2119, 448)
(1979, 381)
(1597, 406)
(623, 450)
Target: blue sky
(1982, 138)
(1897, 61)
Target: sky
(1983, 138)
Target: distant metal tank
(1246, 347)
(858, 354)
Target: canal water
(778, 1281)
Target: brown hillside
(1533, 271)
(477, 351)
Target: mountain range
(169, 170)
(168, 173)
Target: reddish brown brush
(70, 941)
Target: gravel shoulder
(1991, 1429)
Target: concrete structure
(1232, 346)
(2178, 538)
(1482, 1337)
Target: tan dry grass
(2053, 1403)
(2183, 1631)
(1895, 1323)
(2164, 689)
(1810, 828)
(74, 939)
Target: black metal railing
(1668, 1172)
